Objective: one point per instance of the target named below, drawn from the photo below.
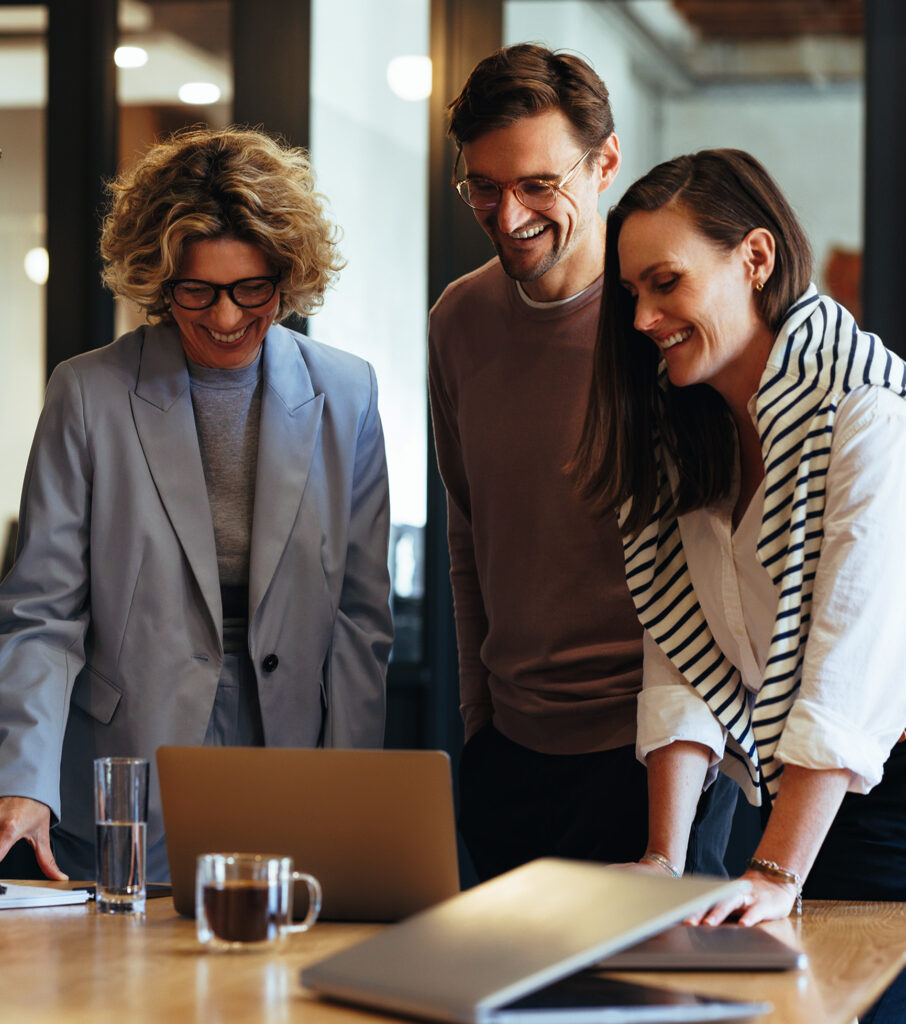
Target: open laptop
(375, 827)
(508, 951)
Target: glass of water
(120, 816)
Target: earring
(760, 286)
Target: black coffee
(242, 911)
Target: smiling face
(224, 336)
(560, 251)
(696, 301)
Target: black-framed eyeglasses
(536, 193)
(248, 293)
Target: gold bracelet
(773, 870)
(661, 861)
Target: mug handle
(314, 901)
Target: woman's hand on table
(644, 867)
(23, 818)
(768, 899)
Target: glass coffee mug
(245, 900)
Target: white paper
(18, 897)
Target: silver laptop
(505, 951)
(375, 827)
(728, 947)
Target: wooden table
(71, 964)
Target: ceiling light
(410, 77)
(199, 93)
(130, 57)
(36, 265)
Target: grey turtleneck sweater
(227, 406)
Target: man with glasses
(550, 650)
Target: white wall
(370, 152)
(21, 301)
(588, 30)
(811, 142)
(810, 139)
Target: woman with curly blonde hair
(202, 548)
(235, 183)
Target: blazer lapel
(289, 430)
(165, 422)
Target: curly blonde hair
(203, 183)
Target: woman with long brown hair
(754, 441)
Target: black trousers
(517, 804)
(864, 858)
(864, 854)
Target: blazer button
(270, 663)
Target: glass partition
(369, 143)
(791, 95)
(23, 257)
(173, 70)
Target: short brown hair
(203, 183)
(727, 193)
(525, 79)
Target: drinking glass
(120, 816)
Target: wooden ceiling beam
(771, 19)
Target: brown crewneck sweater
(549, 641)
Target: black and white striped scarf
(818, 356)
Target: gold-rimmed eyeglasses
(535, 193)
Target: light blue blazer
(110, 620)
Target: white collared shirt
(851, 706)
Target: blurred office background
(814, 88)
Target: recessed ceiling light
(130, 57)
(36, 265)
(410, 77)
(199, 92)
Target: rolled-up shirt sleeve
(851, 706)
(670, 710)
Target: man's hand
(22, 818)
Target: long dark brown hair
(727, 193)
